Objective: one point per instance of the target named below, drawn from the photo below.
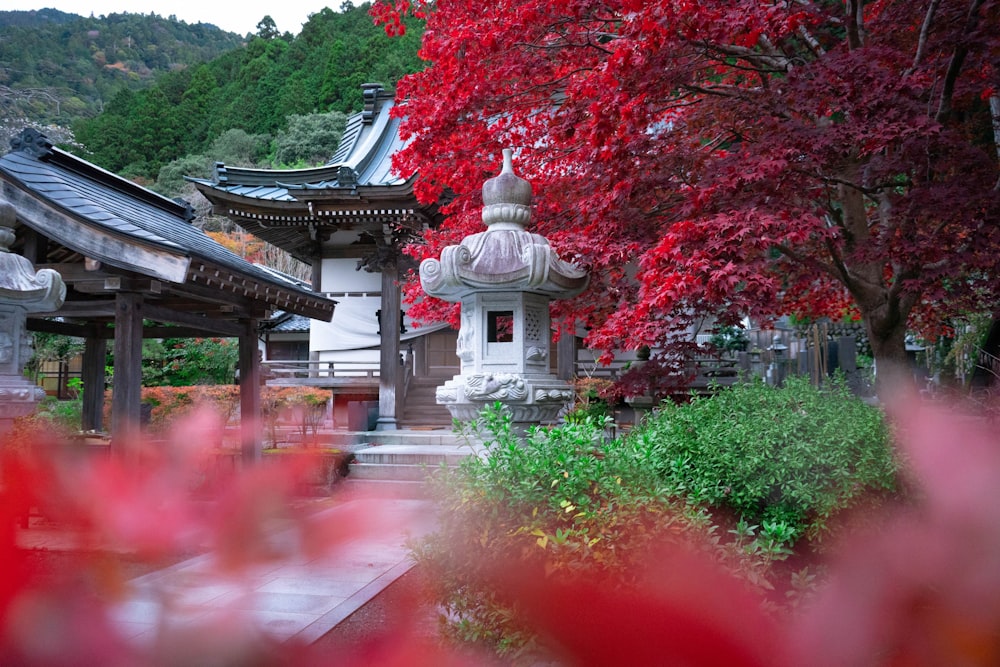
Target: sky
(240, 17)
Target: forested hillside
(56, 68)
(255, 89)
(154, 100)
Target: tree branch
(995, 113)
(956, 62)
(925, 28)
(777, 62)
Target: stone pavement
(298, 596)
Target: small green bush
(793, 454)
(742, 476)
(557, 503)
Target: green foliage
(590, 400)
(730, 338)
(311, 139)
(239, 147)
(62, 416)
(73, 65)
(51, 347)
(743, 476)
(793, 455)
(234, 147)
(182, 362)
(557, 503)
(255, 88)
(170, 180)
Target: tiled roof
(118, 206)
(282, 322)
(363, 160)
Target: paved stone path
(298, 596)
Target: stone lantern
(504, 279)
(22, 291)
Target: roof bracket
(32, 142)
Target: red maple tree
(725, 157)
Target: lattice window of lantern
(532, 326)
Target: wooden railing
(320, 370)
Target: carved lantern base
(531, 399)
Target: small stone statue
(22, 291)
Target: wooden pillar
(566, 356)
(317, 274)
(390, 369)
(251, 428)
(95, 358)
(127, 393)
(36, 247)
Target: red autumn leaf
(846, 153)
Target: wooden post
(95, 358)
(251, 428)
(389, 364)
(317, 274)
(127, 393)
(566, 356)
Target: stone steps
(421, 407)
(419, 456)
(398, 463)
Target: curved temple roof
(357, 189)
(114, 221)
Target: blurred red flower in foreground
(920, 588)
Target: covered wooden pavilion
(136, 268)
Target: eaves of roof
(361, 166)
(116, 206)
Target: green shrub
(793, 455)
(559, 503)
(65, 416)
(742, 476)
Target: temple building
(134, 267)
(348, 219)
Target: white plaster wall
(341, 275)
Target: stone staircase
(398, 463)
(420, 409)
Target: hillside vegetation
(255, 89)
(56, 68)
(134, 92)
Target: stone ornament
(22, 290)
(504, 278)
(20, 284)
(505, 257)
(501, 387)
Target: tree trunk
(887, 336)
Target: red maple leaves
(719, 157)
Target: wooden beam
(180, 332)
(112, 284)
(224, 328)
(92, 241)
(90, 330)
(77, 329)
(84, 309)
(35, 246)
(210, 295)
(72, 272)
